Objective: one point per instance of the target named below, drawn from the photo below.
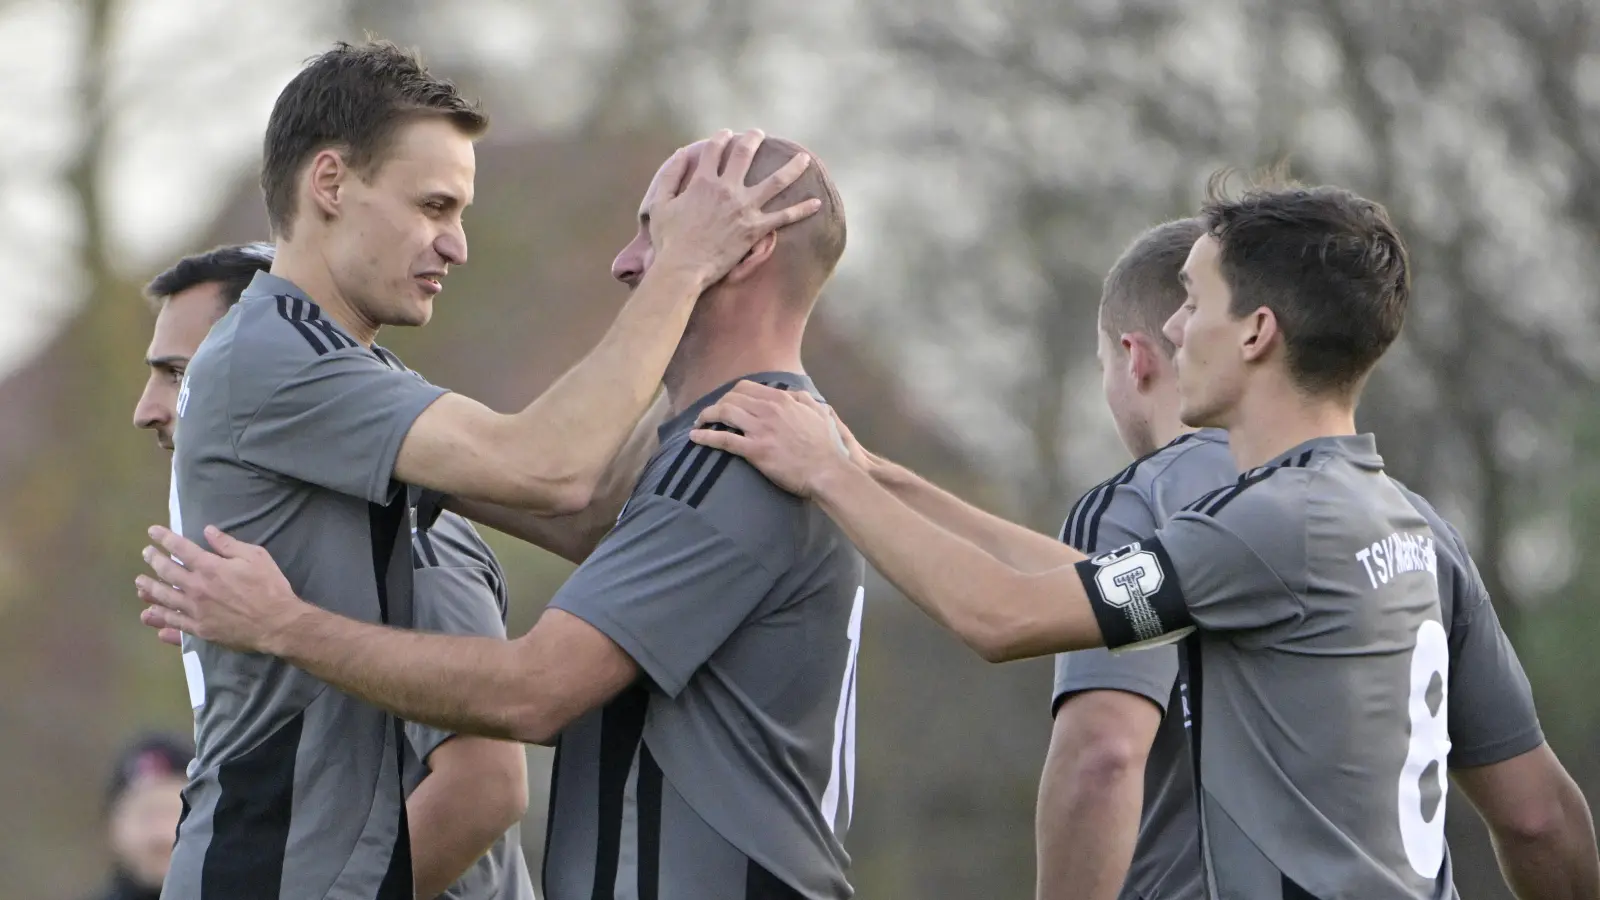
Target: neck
(1165, 421)
(703, 365)
(1275, 423)
(301, 263)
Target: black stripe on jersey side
(397, 881)
(648, 792)
(621, 727)
(550, 820)
(329, 330)
(1189, 656)
(1292, 891)
(250, 826)
(305, 330)
(759, 884)
(424, 547)
(384, 523)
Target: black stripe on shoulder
(1232, 493)
(1093, 534)
(698, 455)
(284, 310)
(1083, 522)
(329, 330)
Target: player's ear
(754, 260)
(1259, 331)
(1144, 358)
(326, 176)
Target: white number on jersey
(842, 774)
(1429, 745)
(192, 674)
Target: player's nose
(452, 246)
(151, 411)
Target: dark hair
(1142, 290)
(150, 755)
(1329, 265)
(354, 98)
(231, 267)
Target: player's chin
(416, 311)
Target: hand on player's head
(236, 597)
(788, 435)
(708, 221)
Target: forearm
(468, 685)
(1562, 865)
(998, 611)
(1022, 548)
(573, 432)
(450, 830)
(1085, 827)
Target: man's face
(1210, 367)
(183, 322)
(144, 825)
(636, 258)
(1122, 393)
(396, 237)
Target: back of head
(231, 267)
(1328, 264)
(354, 98)
(1142, 290)
(810, 249)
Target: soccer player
(1120, 719)
(1309, 588)
(464, 825)
(296, 430)
(698, 668)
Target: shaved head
(810, 249)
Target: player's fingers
(170, 636)
(788, 216)
(165, 567)
(225, 544)
(728, 415)
(742, 154)
(159, 594)
(711, 154)
(670, 179)
(755, 390)
(809, 402)
(787, 174)
(731, 441)
(188, 552)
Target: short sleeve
(1492, 716)
(1119, 515)
(337, 422)
(1196, 572)
(668, 586)
(458, 600)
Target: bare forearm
(1000, 612)
(576, 428)
(470, 685)
(1086, 830)
(1564, 866)
(449, 832)
(1022, 548)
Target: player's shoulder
(1146, 492)
(1265, 507)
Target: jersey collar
(1360, 449)
(685, 420)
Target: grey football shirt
(461, 589)
(1124, 508)
(728, 771)
(1319, 673)
(287, 435)
(1492, 716)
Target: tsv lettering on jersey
(1401, 553)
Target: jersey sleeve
(1491, 712)
(1125, 515)
(1208, 567)
(669, 584)
(451, 598)
(337, 422)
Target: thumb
(224, 544)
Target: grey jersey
(728, 771)
(287, 435)
(461, 589)
(1491, 712)
(1319, 674)
(1126, 507)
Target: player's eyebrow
(166, 362)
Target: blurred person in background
(697, 671)
(143, 806)
(465, 795)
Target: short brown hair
(821, 236)
(353, 97)
(231, 267)
(1143, 290)
(1329, 265)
